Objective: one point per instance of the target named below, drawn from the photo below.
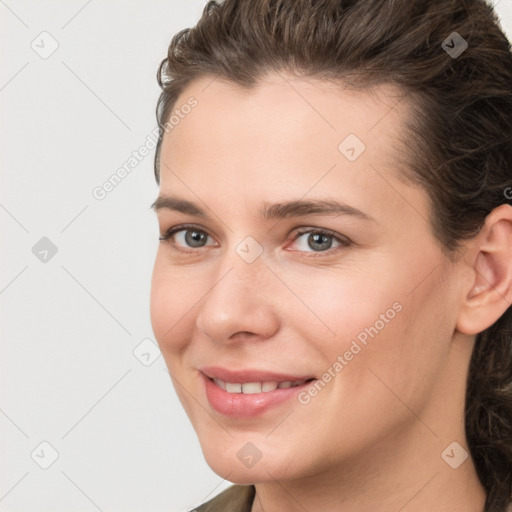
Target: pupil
(317, 239)
(196, 236)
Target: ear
(490, 294)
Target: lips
(251, 375)
(245, 394)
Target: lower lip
(243, 406)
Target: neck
(403, 474)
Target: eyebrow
(294, 208)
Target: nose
(240, 302)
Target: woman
(332, 289)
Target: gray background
(89, 418)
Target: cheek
(169, 305)
(402, 361)
(378, 318)
(346, 306)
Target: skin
(372, 439)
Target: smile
(251, 399)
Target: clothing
(237, 498)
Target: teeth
(251, 387)
(256, 387)
(269, 386)
(220, 383)
(233, 388)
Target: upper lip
(250, 375)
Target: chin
(230, 465)
(233, 472)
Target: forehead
(287, 137)
(285, 112)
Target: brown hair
(457, 144)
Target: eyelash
(342, 240)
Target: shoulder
(237, 498)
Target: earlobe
(490, 294)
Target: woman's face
(364, 302)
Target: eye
(319, 240)
(187, 236)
